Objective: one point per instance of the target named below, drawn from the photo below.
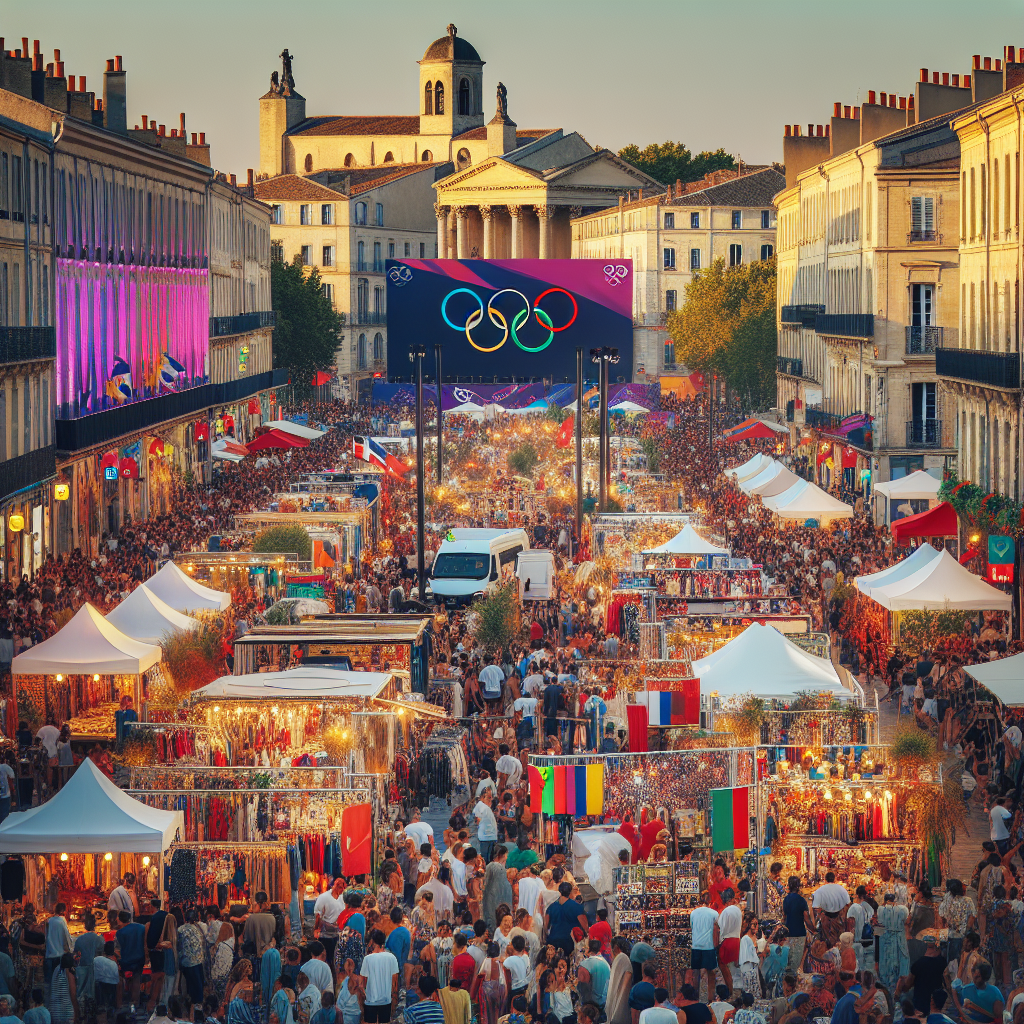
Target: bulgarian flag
(730, 819)
(567, 789)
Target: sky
(708, 73)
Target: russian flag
(368, 450)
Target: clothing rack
(220, 871)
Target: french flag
(368, 450)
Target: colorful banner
(1000, 550)
(515, 396)
(730, 819)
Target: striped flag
(676, 707)
(730, 819)
(567, 789)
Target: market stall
(354, 529)
(919, 488)
(805, 501)
(182, 593)
(1004, 679)
(86, 838)
(940, 521)
(262, 572)
(143, 616)
(749, 468)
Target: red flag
(565, 432)
(356, 837)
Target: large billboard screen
(508, 318)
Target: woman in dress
(819, 959)
(1003, 936)
(32, 944)
(776, 962)
(501, 934)
(221, 959)
(561, 992)
(893, 954)
(424, 928)
(545, 898)
(750, 962)
(282, 999)
(169, 945)
(307, 999)
(992, 875)
(346, 998)
(847, 954)
(491, 987)
(922, 915)
(63, 992)
(441, 952)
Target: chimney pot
(60, 69)
(910, 103)
(828, 130)
(935, 78)
(967, 81)
(16, 53)
(24, 45)
(810, 129)
(37, 62)
(202, 138)
(235, 183)
(251, 178)
(35, 46)
(856, 113)
(956, 81)
(871, 96)
(884, 99)
(117, 64)
(56, 53)
(145, 122)
(81, 83)
(924, 74)
(98, 105)
(846, 111)
(110, 63)
(49, 71)
(977, 61)
(181, 123)
(892, 99)
(71, 83)
(988, 63)
(163, 131)
(1010, 54)
(194, 138)
(945, 78)
(999, 64)
(837, 110)
(903, 103)
(789, 131)
(174, 133)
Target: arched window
(361, 352)
(427, 156)
(428, 98)
(360, 213)
(464, 96)
(463, 159)
(378, 346)
(439, 98)
(350, 160)
(308, 162)
(389, 157)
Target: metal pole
(579, 444)
(416, 354)
(440, 417)
(603, 433)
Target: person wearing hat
(926, 976)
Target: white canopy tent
(918, 484)
(750, 468)
(805, 500)
(87, 645)
(143, 616)
(90, 815)
(308, 682)
(309, 433)
(687, 542)
(940, 584)
(467, 409)
(762, 662)
(775, 473)
(627, 406)
(919, 558)
(1004, 678)
(178, 590)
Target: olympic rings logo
(499, 320)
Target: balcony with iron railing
(367, 318)
(923, 236)
(789, 366)
(845, 325)
(821, 418)
(803, 315)
(378, 267)
(923, 341)
(27, 344)
(987, 369)
(221, 326)
(924, 433)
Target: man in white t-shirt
(326, 909)
(48, 736)
(419, 831)
(9, 789)
(379, 983)
(829, 903)
(704, 941)
(517, 964)
(858, 913)
(487, 825)
(530, 888)
(509, 769)
(534, 682)
(999, 816)
(486, 784)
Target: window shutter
(915, 214)
(929, 214)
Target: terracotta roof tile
(362, 181)
(523, 135)
(756, 189)
(294, 187)
(382, 124)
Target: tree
(523, 459)
(726, 325)
(284, 540)
(669, 162)
(308, 330)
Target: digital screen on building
(508, 318)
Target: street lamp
(417, 353)
(604, 357)
(440, 419)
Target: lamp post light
(604, 357)
(417, 353)
(440, 416)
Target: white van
(475, 562)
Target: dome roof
(441, 49)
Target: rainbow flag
(730, 819)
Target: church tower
(281, 109)
(451, 86)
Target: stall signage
(1000, 550)
(110, 472)
(1000, 573)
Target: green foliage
(28, 712)
(307, 334)
(555, 413)
(653, 452)
(284, 539)
(497, 623)
(983, 510)
(523, 459)
(669, 162)
(912, 745)
(924, 629)
(726, 324)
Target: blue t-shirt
(563, 918)
(986, 998)
(37, 1015)
(845, 1011)
(131, 941)
(357, 923)
(398, 942)
(424, 1011)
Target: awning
(918, 484)
(1004, 678)
(940, 521)
(276, 439)
(757, 429)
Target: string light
(828, 794)
(145, 861)
(63, 856)
(60, 678)
(108, 856)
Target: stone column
(441, 212)
(486, 215)
(515, 212)
(544, 215)
(461, 233)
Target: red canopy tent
(755, 430)
(276, 439)
(940, 521)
